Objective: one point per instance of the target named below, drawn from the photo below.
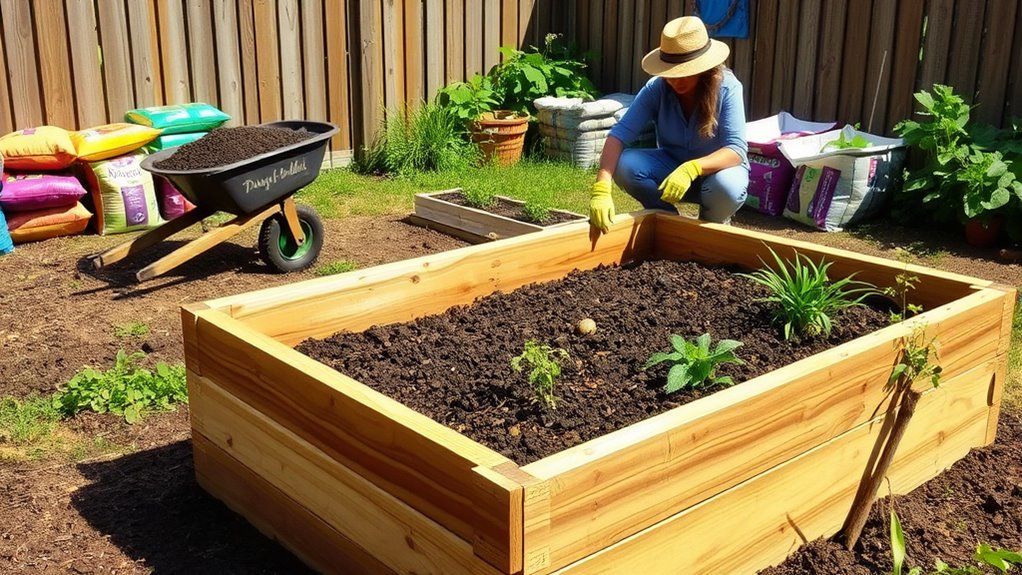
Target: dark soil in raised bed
(513, 210)
(978, 500)
(225, 146)
(455, 367)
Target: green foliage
(693, 365)
(125, 389)
(468, 100)
(804, 296)
(133, 329)
(427, 138)
(26, 421)
(336, 267)
(987, 560)
(522, 77)
(480, 195)
(903, 283)
(536, 211)
(843, 142)
(962, 177)
(915, 362)
(543, 362)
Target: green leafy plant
(918, 359)
(482, 196)
(536, 210)
(423, 139)
(844, 142)
(554, 70)
(903, 283)
(986, 558)
(336, 267)
(133, 329)
(544, 364)
(804, 296)
(468, 100)
(125, 389)
(693, 364)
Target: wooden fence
(78, 63)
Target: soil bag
(50, 223)
(6, 243)
(770, 172)
(111, 140)
(842, 177)
(179, 119)
(576, 130)
(173, 140)
(172, 203)
(42, 148)
(123, 195)
(39, 191)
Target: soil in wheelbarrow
(456, 367)
(225, 146)
(512, 210)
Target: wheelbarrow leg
(291, 216)
(204, 242)
(150, 238)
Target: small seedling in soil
(986, 558)
(693, 365)
(903, 283)
(482, 198)
(804, 296)
(133, 329)
(544, 362)
(336, 267)
(586, 326)
(536, 211)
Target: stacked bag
(179, 125)
(6, 244)
(575, 130)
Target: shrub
(693, 365)
(481, 195)
(427, 138)
(544, 362)
(553, 71)
(804, 296)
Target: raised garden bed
(353, 481)
(448, 211)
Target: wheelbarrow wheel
(279, 249)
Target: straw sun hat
(685, 50)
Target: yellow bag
(42, 148)
(111, 140)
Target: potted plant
(500, 134)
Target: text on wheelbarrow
(296, 167)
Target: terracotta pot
(984, 232)
(501, 136)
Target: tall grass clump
(423, 139)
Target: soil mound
(225, 146)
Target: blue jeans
(640, 172)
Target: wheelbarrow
(258, 190)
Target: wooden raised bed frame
(475, 225)
(354, 482)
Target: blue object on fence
(724, 18)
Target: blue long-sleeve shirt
(679, 135)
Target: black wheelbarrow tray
(256, 190)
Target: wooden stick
(864, 499)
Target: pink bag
(771, 174)
(172, 203)
(23, 192)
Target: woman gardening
(699, 113)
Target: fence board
(314, 56)
(805, 60)
(828, 82)
(337, 72)
(853, 67)
(6, 120)
(939, 19)
(610, 43)
(594, 38)
(177, 88)
(1014, 104)
(455, 32)
(145, 54)
(247, 52)
(878, 69)
(626, 24)
(491, 34)
(371, 60)
(201, 51)
(966, 37)
(508, 23)
(473, 38)
(527, 34)
(19, 43)
(393, 54)
(414, 54)
(642, 18)
(996, 57)
(289, 31)
(763, 60)
(267, 54)
(54, 64)
(116, 63)
(229, 76)
(83, 39)
(434, 47)
(783, 89)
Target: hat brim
(717, 54)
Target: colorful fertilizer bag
(50, 223)
(770, 172)
(172, 203)
(6, 243)
(27, 192)
(178, 119)
(111, 140)
(123, 195)
(173, 140)
(42, 148)
(842, 177)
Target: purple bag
(770, 173)
(25, 192)
(172, 203)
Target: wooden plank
(1014, 107)
(405, 290)
(878, 68)
(963, 60)
(805, 62)
(434, 17)
(995, 58)
(392, 34)
(937, 45)
(763, 70)
(741, 59)
(610, 48)
(6, 113)
(828, 71)
(337, 72)
(314, 58)
(1000, 377)
(177, 87)
(474, 221)
(202, 50)
(803, 499)
(291, 77)
(267, 54)
(145, 54)
(639, 46)
(228, 56)
(278, 516)
(905, 61)
(491, 34)
(454, 14)
(474, 26)
(22, 66)
(626, 48)
(508, 23)
(83, 39)
(371, 68)
(54, 63)
(397, 535)
(190, 337)
(527, 32)
(247, 57)
(853, 66)
(658, 16)
(594, 42)
(116, 63)
(150, 238)
(418, 461)
(782, 93)
(414, 53)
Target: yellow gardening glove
(601, 207)
(675, 185)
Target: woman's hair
(707, 95)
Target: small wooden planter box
(354, 482)
(473, 224)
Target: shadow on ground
(149, 505)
